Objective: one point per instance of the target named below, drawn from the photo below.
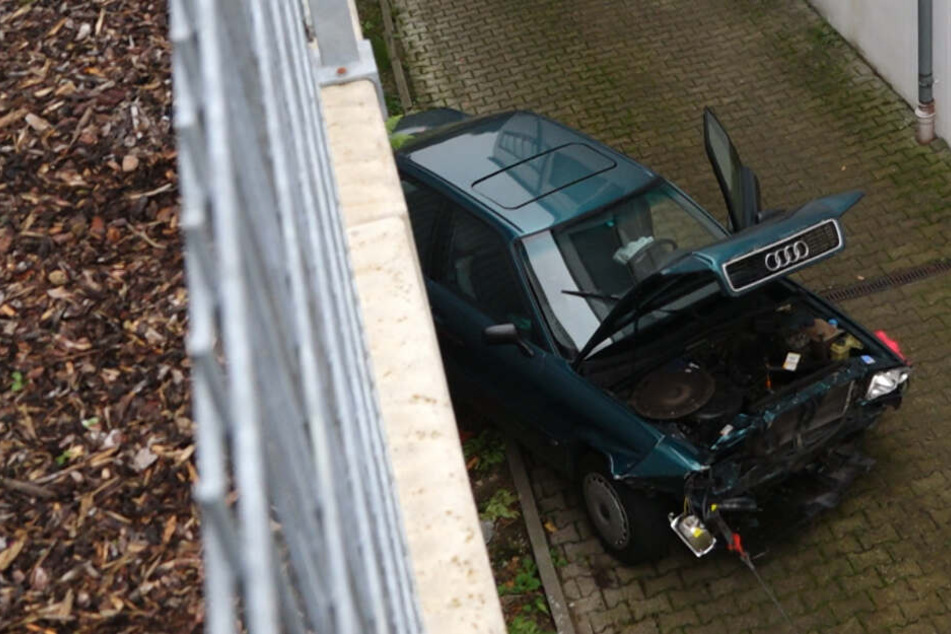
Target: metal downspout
(925, 112)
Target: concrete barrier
(454, 579)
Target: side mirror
(506, 334)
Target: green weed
(525, 581)
(396, 139)
(539, 604)
(522, 624)
(556, 559)
(500, 506)
(486, 450)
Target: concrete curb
(536, 535)
(389, 38)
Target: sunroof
(541, 175)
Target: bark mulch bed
(97, 528)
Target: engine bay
(756, 351)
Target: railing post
(342, 53)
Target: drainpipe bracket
(925, 113)
(362, 68)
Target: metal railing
(300, 522)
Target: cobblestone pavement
(811, 118)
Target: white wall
(886, 33)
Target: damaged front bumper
(765, 518)
(774, 484)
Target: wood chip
(27, 488)
(88, 246)
(130, 162)
(12, 117)
(10, 553)
(169, 529)
(56, 27)
(37, 123)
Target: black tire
(631, 524)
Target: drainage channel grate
(892, 280)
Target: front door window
(479, 270)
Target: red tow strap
(736, 546)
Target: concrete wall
(453, 577)
(886, 33)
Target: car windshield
(580, 268)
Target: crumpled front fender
(666, 466)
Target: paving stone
(581, 549)
(564, 535)
(629, 574)
(792, 583)
(927, 605)
(880, 534)
(619, 615)
(555, 502)
(586, 585)
(920, 627)
(883, 620)
(571, 589)
(811, 118)
(584, 528)
(849, 626)
(873, 557)
(819, 620)
(897, 593)
(572, 570)
(648, 626)
(614, 596)
(568, 516)
(899, 570)
(587, 605)
(660, 584)
(677, 618)
(844, 607)
(716, 627)
(649, 607)
(680, 598)
(941, 622)
(816, 597)
(868, 579)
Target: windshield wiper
(591, 295)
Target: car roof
(528, 170)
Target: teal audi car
(664, 362)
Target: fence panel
(300, 522)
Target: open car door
(739, 184)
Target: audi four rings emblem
(787, 255)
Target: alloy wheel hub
(605, 509)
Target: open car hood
(783, 244)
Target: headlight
(886, 382)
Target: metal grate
(886, 282)
(300, 523)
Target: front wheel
(631, 525)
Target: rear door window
(425, 207)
